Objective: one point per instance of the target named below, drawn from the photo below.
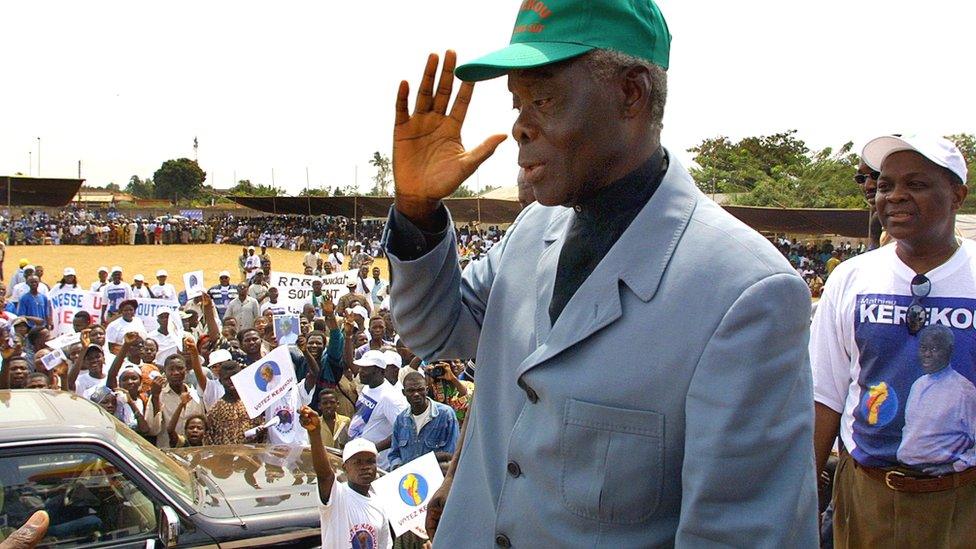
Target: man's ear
(959, 192)
(635, 86)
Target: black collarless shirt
(600, 220)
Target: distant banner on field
(406, 491)
(192, 214)
(295, 290)
(67, 302)
(148, 309)
(261, 384)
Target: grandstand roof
(18, 190)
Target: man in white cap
(865, 345)
(311, 259)
(166, 341)
(394, 363)
(378, 406)
(139, 288)
(252, 264)
(102, 280)
(223, 293)
(350, 515)
(336, 259)
(114, 293)
(22, 288)
(163, 289)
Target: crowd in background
(78, 225)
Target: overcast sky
(123, 86)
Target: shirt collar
(626, 194)
(432, 407)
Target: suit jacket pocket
(612, 462)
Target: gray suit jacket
(670, 404)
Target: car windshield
(153, 460)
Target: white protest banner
(193, 283)
(405, 492)
(264, 382)
(148, 308)
(67, 302)
(295, 290)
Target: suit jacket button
(502, 540)
(531, 394)
(514, 469)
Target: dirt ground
(146, 260)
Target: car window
(88, 499)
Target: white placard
(405, 492)
(193, 282)
(264, 382)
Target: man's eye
(542, 102)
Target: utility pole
(38, 157)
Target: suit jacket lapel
(553, 238)
(638, 259)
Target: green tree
(114, 187)
(324, 191)
(463, 192)
(727, 167)
(384, 174)
(244, 187)
(777, 170)
(179, 178)
(141, 188)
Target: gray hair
(606, 64)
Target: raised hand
(157, 386)
(185, 398)
(429, 161)
(190, 345)
(86, 337)
(131, 338)
(308, 419)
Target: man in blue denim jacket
(427, 426)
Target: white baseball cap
(223, 274)
(394, 358)
(103, 269)
(357, 446)
(372, 358)
(334, 247)
(116, 269)
(68, 271)
(251, 248)
(359, 310)
(937, 149)
(220, 355)
(30, 268)
(139, 277)
(161, 272)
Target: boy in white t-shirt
(350, 515)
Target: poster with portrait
(264, 382)
(193, 282)
(917, 401)
(286, 329)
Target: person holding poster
(128, 322)
(227, 419)
(349, 512)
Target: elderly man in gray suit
(643, 378)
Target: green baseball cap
(549, 31)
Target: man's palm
(429, 160)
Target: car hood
(253, 480)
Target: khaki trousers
(868, 514)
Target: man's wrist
(420, 211)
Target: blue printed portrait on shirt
(917, 403)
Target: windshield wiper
(200, 475)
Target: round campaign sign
(266, 374)
(413, 489)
